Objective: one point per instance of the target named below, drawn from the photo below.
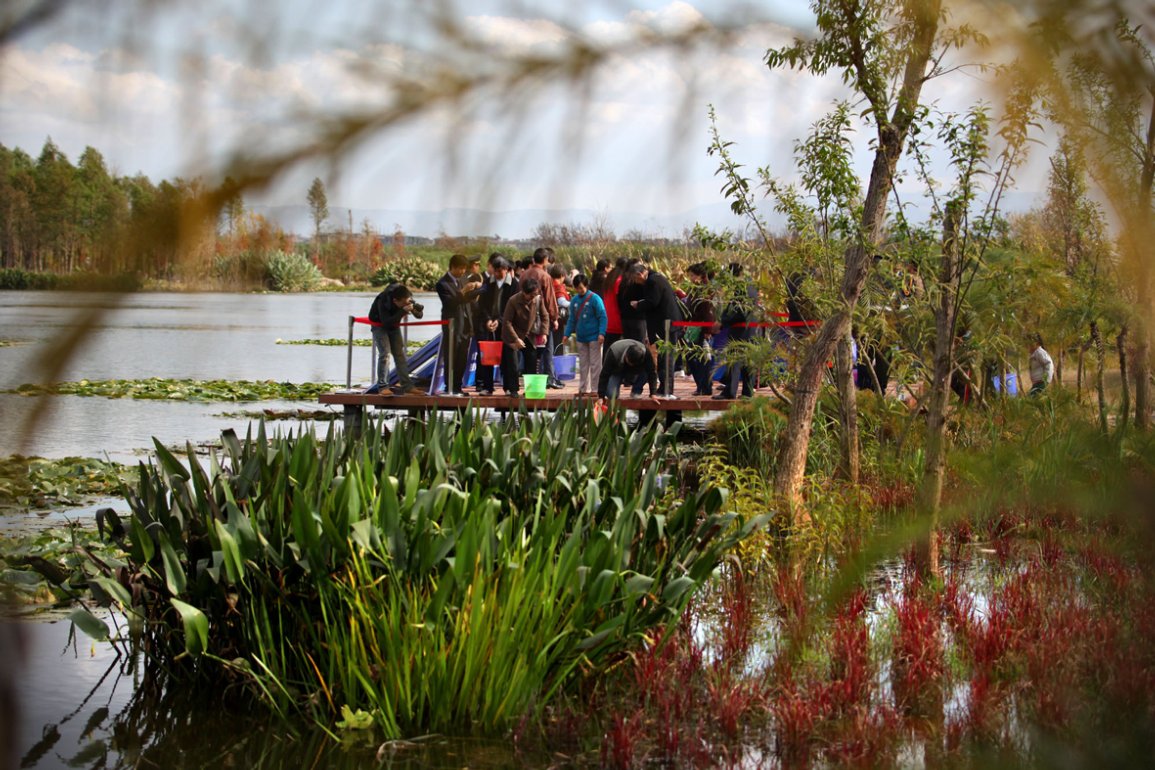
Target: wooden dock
(682, 399)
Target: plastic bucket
(535, 385)
(565, 367)
(490, 352)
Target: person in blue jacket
(587, 322)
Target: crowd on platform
(628, 323)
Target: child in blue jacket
(587, 322)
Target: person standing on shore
(1042, 367)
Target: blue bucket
(565, 367)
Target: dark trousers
(546, 359)
(738, 375)
(386, 341)
(700, 362)
(633, 329)
(510, 372)
(483, 378)
(455, 355)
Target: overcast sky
(177, 90)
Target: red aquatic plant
(918, 649)
(851, 672)
(619, 748)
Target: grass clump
(452, 578)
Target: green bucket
(535, 385)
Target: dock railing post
(450, 344)
(349, 359)
(668, 374)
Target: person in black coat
(659, 306)
(455, 338)
(630, 292)
(499, 286)
(387, 312)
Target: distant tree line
(56, 216)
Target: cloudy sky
(183, 89)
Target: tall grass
(451, 577)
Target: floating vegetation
(183, 390)
(362, 342)
(452, 578)
(323, 415)
(334, 342)
(34, 482)
(44, 569)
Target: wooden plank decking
(682, 400)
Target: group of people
(618, 318)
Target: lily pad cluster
(35, 482)
(184, 390)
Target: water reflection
(86, 707)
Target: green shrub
(246, 268)
(292, 272)
(14, 279)
(416, 273)
(750, 431)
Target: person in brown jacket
(525, 315)
(539, 270)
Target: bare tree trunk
(1079, 373)
(848, 410)
(857, 259)
(1100, 354)
(1059, 367)
(1142, 367)
(930, 493)
(1125, 407)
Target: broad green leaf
(174, 576)
(89, 624)
(196, 627)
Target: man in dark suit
(455, 337)
(496, 291)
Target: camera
(417, 309)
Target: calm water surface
(174, 336)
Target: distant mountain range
(522, 223)
(506, 225)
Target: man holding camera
(389, 308)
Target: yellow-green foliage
(750, 431)
(750, 495)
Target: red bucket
(490, 352)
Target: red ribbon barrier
(751, 324)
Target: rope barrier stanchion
(349, 358)
(668, 368)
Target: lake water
(166, 335)
(81, 706)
